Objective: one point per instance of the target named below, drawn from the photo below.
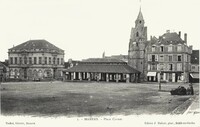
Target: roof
(195, 57)
(102, 68)
(36, 44)
(103, 60)
(171, 38)
(140, 16)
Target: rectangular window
(30, 60)
(179, 66)
(153, 48)
(170, 58)
(35, 60)
(161, 58)
(58, 61)
(15, 60)
(193, 67)
(153, 67)
(25, 60)
(170, 49)
(153, 58)
(20, 60)
(149, 67)
(49, 60)
(40, 60)
(162, 48)
(11, 60)
(161, 67)
(62, 62)
(179, 58)
(45, 60)
(179, 48)
(54, 60)
(170, 67)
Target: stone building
(194, 72)
(102, 69)
(166, 58)
(36, 60)
(137, 43)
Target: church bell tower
(138, 39)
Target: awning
(194, 75)
(151, 74)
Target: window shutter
(156, 59)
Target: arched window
(140, 21)
(137, 34)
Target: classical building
(137, 43)
(36, 60)
(102, 69)
(166, 58)
(194, 73)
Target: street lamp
(159, 78)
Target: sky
(87, 28)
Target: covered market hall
(102, 69)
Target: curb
(181, 109)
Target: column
(80, 76)
(88, 76)
(164, 76)
(117, 77)
(72, 76)
(173, 77)
(158, 77)
(107, 77)
(127, 78)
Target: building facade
(36, 60)
(194, 72)
(166, 58)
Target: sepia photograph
(99, 63)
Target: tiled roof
(102, 68)
(102, 60)
(195, 57)
(36, 44)
(171, 38)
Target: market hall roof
(103, 60)
(103, 65)
(36, 45)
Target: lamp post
(159, 78)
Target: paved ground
(84, 99)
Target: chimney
(167, 31)
(179, 34)
(151, 37)
(185, 38)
